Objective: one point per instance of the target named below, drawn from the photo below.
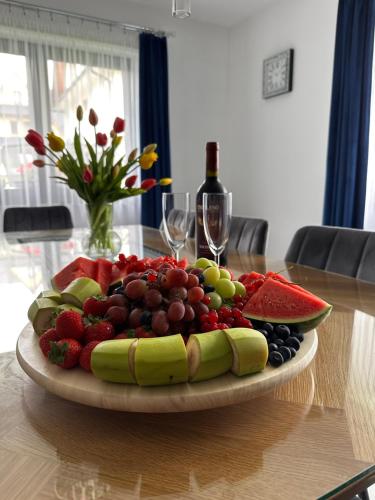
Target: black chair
(350, 252)
(37, 218)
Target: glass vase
(102, 240)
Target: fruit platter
(160, 335)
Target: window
(41, 89)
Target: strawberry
(69, 324)
(85, 357)
(65, 353)
(95, 306)
(140, 332)
(46, 339)
(126, 334)
(99, 330)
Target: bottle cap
(212, 146)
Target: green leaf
(78, 148)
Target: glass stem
(176, 253)
(217, 259)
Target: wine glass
(176, 208)
(217, 213)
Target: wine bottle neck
(212, 162)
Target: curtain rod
(92, 19)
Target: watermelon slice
(104, 274)
(99, 270)
(283, 303)
(80, 267)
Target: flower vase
(101, 241)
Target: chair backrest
(37, 218)
(248, 236)
(350, 252)
(176, 218)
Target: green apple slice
(161, 361)
(50, 294)
(79, 290)
(209, 355)
(68, 307)
(41, 313)
(113, 360)
(250, 350)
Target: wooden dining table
(313, 437)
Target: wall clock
(278, 74)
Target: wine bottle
(212, 184)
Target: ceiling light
(181, 8)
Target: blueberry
(268, 327)
(146, 318)
(201, 278)
(299, 336)
(279, 342)
(265, 333)
(292, 351)
(272, 347)
(293, 342)
(285, 353)
(282, 331)
(208, 288)
(275, 358)
(118, 291)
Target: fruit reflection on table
(161, 321)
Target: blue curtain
(350, 115)
(154, 118)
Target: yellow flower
(116, 140)
(147, 160)
(55, 142)
(115, 170)
(149, 149)
(165, 181)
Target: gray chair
(350, 252)
(246, 236)
(176, 218)
(37, 218)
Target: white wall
(274, 157)
(198, 57)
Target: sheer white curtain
(50, 64)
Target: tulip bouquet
(98, 178)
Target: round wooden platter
(82, 387)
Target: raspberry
(236, 313)
(204, 318)
(213, 316)
(222, 326)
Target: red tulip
(93, 118)
(41, 150)
(101, 139)
(148, 184)
(39, 163)
(119, 125)
(88, 176)
(130, 181)
(34, 139)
